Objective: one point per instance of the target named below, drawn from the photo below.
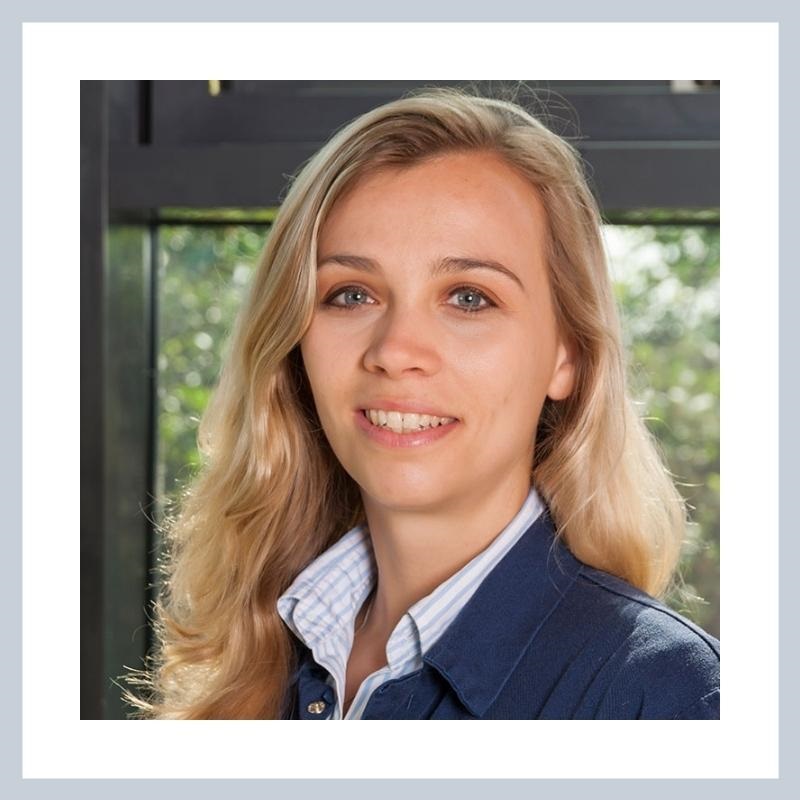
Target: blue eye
(355, 292)
(474, 298)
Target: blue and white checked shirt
(321, 605)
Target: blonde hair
(271, 495)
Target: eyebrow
(447, 265)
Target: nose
(402, 342)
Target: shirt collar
(326, 596)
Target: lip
(389, 438)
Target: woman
(426, 493)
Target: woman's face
(433, 298)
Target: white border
(55, 742)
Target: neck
(417, 550)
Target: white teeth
(410, 422)
(394, 421)
(405, 423)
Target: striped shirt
(321, 605)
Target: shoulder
(546, 636)
(648, 655)
(654, 626)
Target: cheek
(515, 362)
(312, 349)
(326, 342)
(324, 360)
(516, 386)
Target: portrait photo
(411, 399)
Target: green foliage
(666, 280)
(204, 272)
(240, 216)
(667, 286)
(660, 216)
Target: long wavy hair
(271, 495)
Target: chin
(405, 496)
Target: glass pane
(667, 284)
(204, 271)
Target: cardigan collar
(482, 646)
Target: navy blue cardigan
(545, 637)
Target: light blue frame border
(12, 15)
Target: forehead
(474, 199)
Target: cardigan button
(317, 707)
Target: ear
(562, 381)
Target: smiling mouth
(400, 422)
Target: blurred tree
(204, 272)
(667, 286)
